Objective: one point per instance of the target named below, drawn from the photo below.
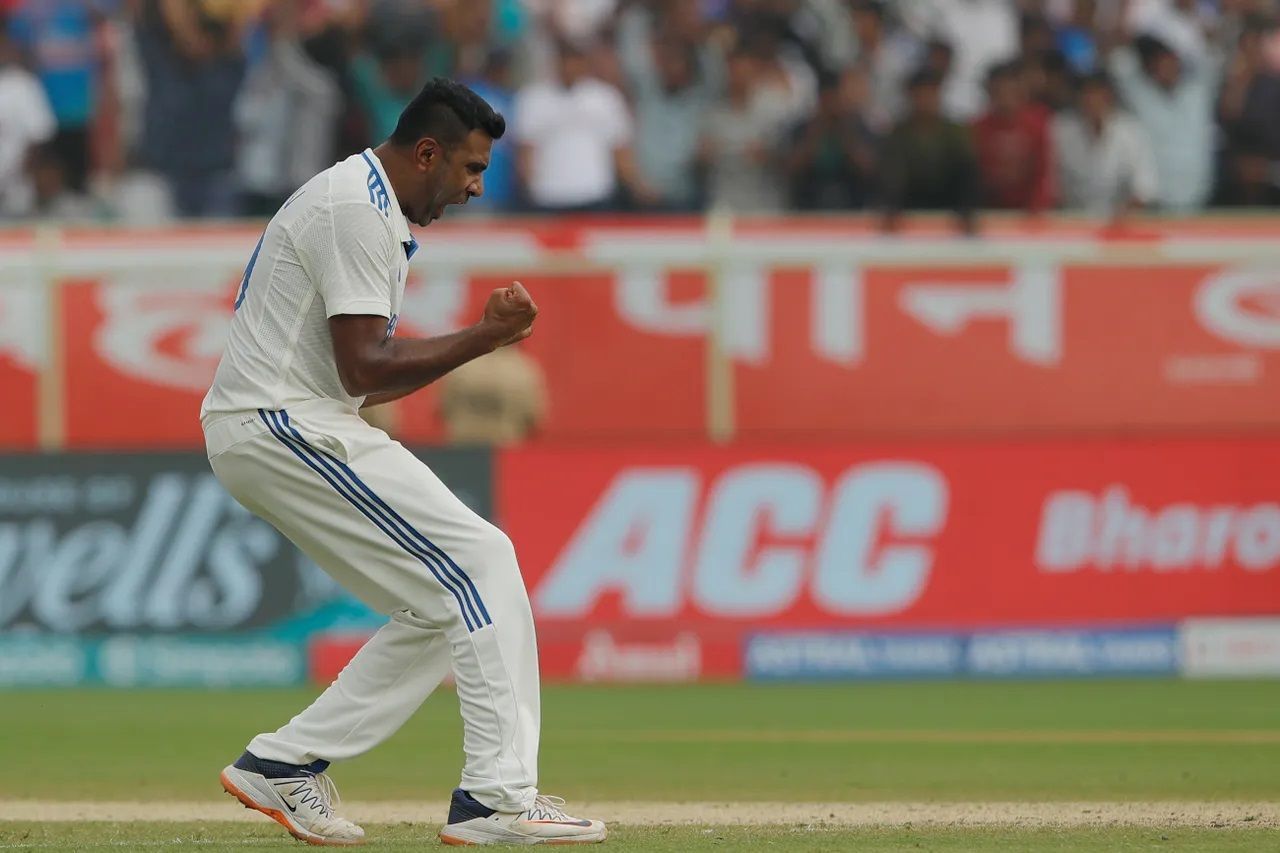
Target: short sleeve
(615, 117)
(1144, 179)
(34, 120)
(347, 252)
(527, 111)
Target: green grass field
(925, 742)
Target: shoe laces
(319, 791)
(329, 799)
(548, 808)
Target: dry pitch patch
(1240, 815)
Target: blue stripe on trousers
(323, 465)
(425, 545)
(319, 463)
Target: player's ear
(428, 151)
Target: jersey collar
(380, 186)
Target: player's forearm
(401, 366)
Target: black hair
(1096, 80)
(576, 48)
(940, 46)
(446, 111)
(924, 77)
(1054, 62)
(1256, 25)
(1150, 48)
(1004, 70)
(1249, 140)
(1032, 23)
(870, 7)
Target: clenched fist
(509, 314)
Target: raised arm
(385, 368)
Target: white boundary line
(834, 815)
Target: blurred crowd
(147, 110)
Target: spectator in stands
(1077, 38)
(26, 121)
(1249, 115)
(928, 161)
(59, 36)
(1105, 164)
(671, 84)
(494, 85)
(468, 40)
(1050, 81)
(286, 114)
(887, 57)
(385, 81)
(53, 196)
(832, 159)
(741, 139)
(574, 140)
(1182, 25)
(1015, 156)
(982, 33)
(938, 58)
(193, 67)
(1174, 101)
(389, 24)
(783, 74)
(1250, 174)
(582, 22)
(1036, 36)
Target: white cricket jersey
(339, 245)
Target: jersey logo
(378, 195)
(391, 326)
(248, 271)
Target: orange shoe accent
(278, 817)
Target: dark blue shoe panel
(463, 806)
(278, 769)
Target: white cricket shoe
(301, 799)
(545, 822)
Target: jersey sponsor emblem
(378, 195)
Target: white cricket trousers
(373, 516)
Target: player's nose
(476, 188)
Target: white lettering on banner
(783, 500)
(745, 317)
(605, 659)
(910, 500)
(838, 319)
(643, 300)
(1031, 304)
(642, 296)
(24, 307)
(1107, 532)
(169, 337)
(634, 542)
(1221, 306)
(191, 559)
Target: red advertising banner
(829, 330)
(630, 546)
